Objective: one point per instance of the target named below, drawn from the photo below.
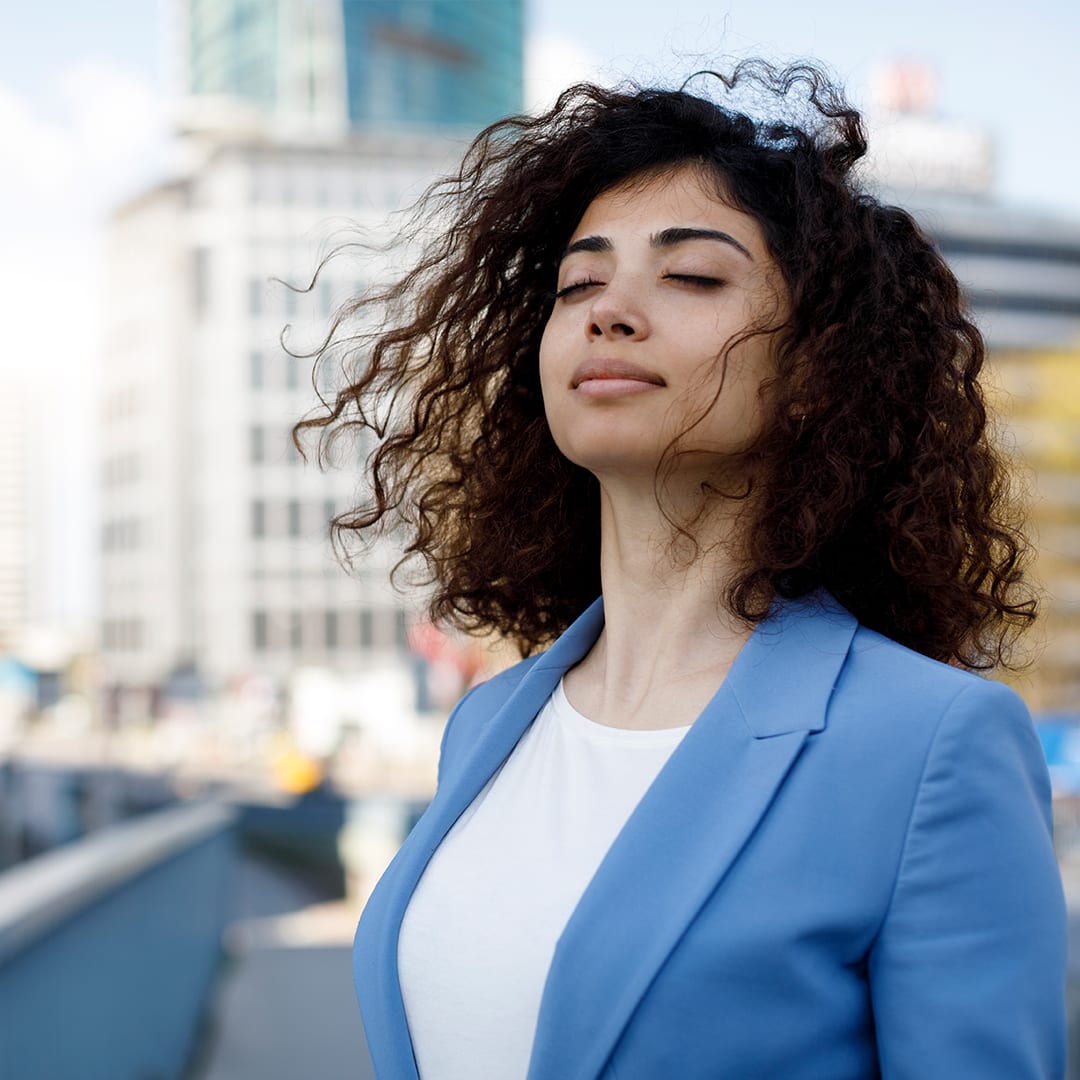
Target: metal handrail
(37, 895)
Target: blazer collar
(686, 832)
(672, 853)
(785, 674)
(803, 644)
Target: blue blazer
(844, 871)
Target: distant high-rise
(303, 121)
(328, 65)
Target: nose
(614, 316)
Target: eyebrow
(663, 239)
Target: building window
(292, 373)
(325, 379)
(367, 629)
(255, 297)
(122, 634)
(294, 518)
(292, 454)
(329, 510)
(258, 518)
(330, 629)
(296, 631)
(364, 444)
(401, 630)
(123, 534)
(200, 280)
(258, 372)
(259, 637)
(326, 297)
(258, 444)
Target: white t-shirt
(480, 930)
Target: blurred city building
(311, 68)
(1039, 396)
(301, 124)
(1021, 270)
(1020, 266)
(15, 516)
(22, 625)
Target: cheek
(549, 357)
(554, 388)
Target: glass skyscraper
(433, 61)
(370, 64)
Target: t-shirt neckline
(579, 724)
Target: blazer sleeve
(967, 973)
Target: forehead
(685, 196)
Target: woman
(748, 815)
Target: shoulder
(946, 729)
(902, 718)
(873, 691)
(890, 679)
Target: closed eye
(577, 286)
(695, 279)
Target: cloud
(118, 121)
(107, 138)
(34, 156)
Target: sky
(84, 116)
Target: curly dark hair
(879, 480)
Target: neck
(667, 635)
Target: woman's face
(659, 276)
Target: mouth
(608, 378)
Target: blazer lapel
(376, 970)
(685, 833)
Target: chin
(612, 457)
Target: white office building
(215, 551)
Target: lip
(608, 377)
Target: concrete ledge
(43, 892)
